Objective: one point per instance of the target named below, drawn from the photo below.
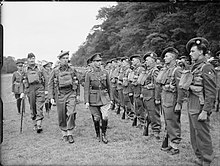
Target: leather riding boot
(104, 128)
(97, 129)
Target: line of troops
(146, 87)
(142, 91)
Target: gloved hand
(202, 116)
(22, 95)
(87, 105)
(52, 101)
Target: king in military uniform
(98, 96)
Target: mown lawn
(126, 144)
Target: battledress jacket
(97, 89)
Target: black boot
(97, 129)
(104, 128)
(118, 110)
(134, 122)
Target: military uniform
(150, 93)
(47, 73)
(64, 83)
(97, 93)
(136, 90)
(205, 80)
(34, 80)
(113, 80)
(17, 85)
(168, 78)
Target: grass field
(126, 144)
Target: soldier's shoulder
(207, 66)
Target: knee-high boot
(104, 128)
(19, 105)
(97, 129)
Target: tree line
(138, 27)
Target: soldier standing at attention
(17, 85)
(204, 79)
(64, 81)
(150, 93)
(97, 96)
(171, 74)
(136, 89)
(34, 82)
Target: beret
(171, 50)
(62, 53)
(151, 54)
(95, 57)
(135, 56)
(197, 41)
(30, 55)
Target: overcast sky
(46, 28)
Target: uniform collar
(32, 67)
(198, 62)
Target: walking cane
(22, 112)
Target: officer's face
(97, 63)
(168, 57)
(195, 53)
(19, 66)
(64, 59)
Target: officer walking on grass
(204, 80)
(34, 83)
(98, 96)
(17, 85)
(63, 82)
(47, 68)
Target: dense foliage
(136, 27)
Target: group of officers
(142, 87)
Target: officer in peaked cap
(17, 86)
(171, 50)
(30, 55)
(151, 54)
(62, 53)
(97, 96)
(198, 41)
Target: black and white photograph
(110, 83)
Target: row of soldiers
(144, 87)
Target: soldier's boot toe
(70, 139)
(65, 138)
(104, 139)
(39, 129)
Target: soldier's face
(64, 59)
(168, 57)
(31, 60)
(149, 61)
(195, 53)
(135, 61)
